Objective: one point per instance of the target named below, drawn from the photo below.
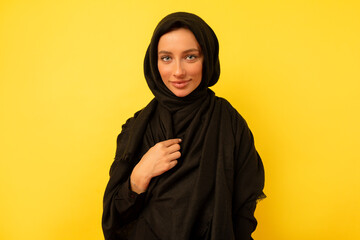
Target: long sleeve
(121, 205)
(248, 183)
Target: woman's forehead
(179, 39)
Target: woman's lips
(180, 84)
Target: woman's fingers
(173, 148)
(169, 142)
(158, 159)
(172, 164)
(174, 156)
(170, 146)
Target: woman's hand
(159, 159)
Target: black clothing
(212, 192)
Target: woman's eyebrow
(164, 52)
(186, 51)
(192, 50)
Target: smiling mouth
(180, 84)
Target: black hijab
(211, 192)
(209, 47)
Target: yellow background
(71, 74)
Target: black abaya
(212, 192)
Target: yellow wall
(71, 74)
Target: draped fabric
(212, 192)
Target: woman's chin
(181, 93)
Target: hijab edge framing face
(209, 47)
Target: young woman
(185, 165)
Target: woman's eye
(191, 57)
(165, 58)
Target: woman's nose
(179, 70)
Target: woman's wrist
(138, 183)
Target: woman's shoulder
(228, 108)
(130, 121)
(231, 114)
(143, 113)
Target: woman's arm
(125, 193)
(121, 205)
(248, 183)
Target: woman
(185, 165)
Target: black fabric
(212, 192)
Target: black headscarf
(209, 47)
(211, 193)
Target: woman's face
(180, 61)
